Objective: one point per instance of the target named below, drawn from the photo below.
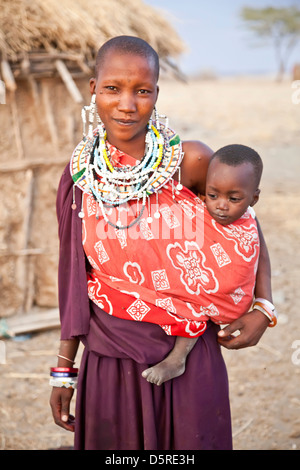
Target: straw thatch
(80, 26)
(46, 48)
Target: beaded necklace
(93, 172)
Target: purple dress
(116, 408)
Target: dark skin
(126, 90)
(230, 190)
(247, 330)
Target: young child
(232, 188)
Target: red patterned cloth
(177, 271)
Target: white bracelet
(267, 303)
(262, 310)
(267, 308)
(64, 382)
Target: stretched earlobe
(92, 85)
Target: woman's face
(126, 92)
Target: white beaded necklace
(93, 172)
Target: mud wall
(40, 125)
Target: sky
(217, 39)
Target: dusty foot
(163, 371)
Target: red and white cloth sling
(178, 271)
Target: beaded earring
(157, 119)
(92, 113)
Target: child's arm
(251, 326)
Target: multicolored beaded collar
(93, 172)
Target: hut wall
(40, 125)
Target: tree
(280, 25)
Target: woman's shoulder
(194, 165)
(196, 147)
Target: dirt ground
(265, 379)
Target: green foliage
(280, 25)
(273, 21)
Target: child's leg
(173, 365)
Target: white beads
(114, 186)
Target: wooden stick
(49, 113)
(29, 323)
(68, 80)
(8, 76)
(34, 89)
(28, 163)
(17, 127)
(2, 92)
(52, 55)
(28, 262)
(85, 68)
(25, 252)
(26, 375)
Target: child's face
(126, 92)
(230, 190)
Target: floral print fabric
(177, 269)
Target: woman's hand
(60, 400)
(250, 328)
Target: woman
(116, 407)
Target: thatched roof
(46, 38)
(80, 26)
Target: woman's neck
(135, 148)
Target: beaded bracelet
(268, 309)
(63, 382)
(65, 377)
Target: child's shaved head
(236, 154)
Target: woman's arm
(67, 349)
(60, 398)
(263, 286)
(194, 166)
(251, 326)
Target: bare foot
(165, 370)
